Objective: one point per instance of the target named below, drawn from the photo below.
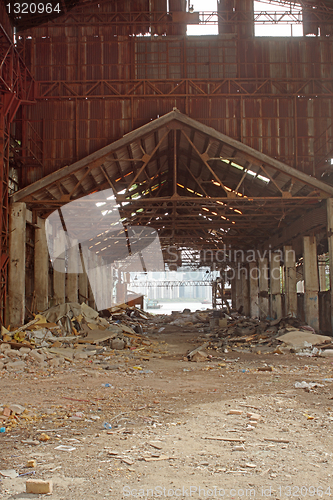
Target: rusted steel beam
(146, 159)
(15, 77)
(190, 88)
(134, 20)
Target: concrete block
(235, 412)
(13, 353)
(40, 358)
(54, 363)
(117, 344)
(25, 350)
(199, 357)
(15, 366)
(38, 486)
(327, 353)
(81, 355)
(5, 347)
(17, 409)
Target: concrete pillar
(290, 281)
(275, 282)
(17, 251)
(59, 275)
(322, 272)
(238, 281)
(254, 289)
(263, 288)
(41, 267)
(72, 274)
(311, 282)
(330, 249)
(233, 292)
(245, 290)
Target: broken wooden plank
(277, 440)
(156, 446)
(221, 438)
(197, 349)
(157, 459)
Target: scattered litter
(238, 448)
(64, 447)
(220, 438)
(44, 437)
(307, 385)
(156, 459)
(277, 440)
(11, 473)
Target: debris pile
(239, 333)
(281, 335)
(45, 341)
(11, 414)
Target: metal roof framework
(69, 10)
(197, 187)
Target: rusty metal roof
(193, 184)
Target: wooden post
(311, 282)
(17, 252)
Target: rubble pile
(281, 335)
(70, 332)
(238, 333)
(12, 414)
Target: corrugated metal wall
(277, 93)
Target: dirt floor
(172, 435)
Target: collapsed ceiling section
(197, 187)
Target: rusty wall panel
(293, 128)
(158, 6)
(177, 28)
(267, 125)
(228, 9)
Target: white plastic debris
(63, 447)
(307, 385)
